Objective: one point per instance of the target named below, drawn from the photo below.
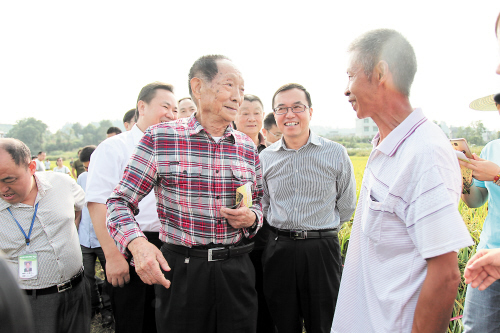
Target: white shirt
(106, 167)
(407, 212)
(40, 166)
(54, 237)
(64, 169)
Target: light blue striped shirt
(310, 188)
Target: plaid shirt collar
(194, 127)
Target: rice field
(473, 219)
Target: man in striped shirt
(309, 191)
(195, 165)
(401, 272)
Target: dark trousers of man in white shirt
(301, 282)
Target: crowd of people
(157, 206)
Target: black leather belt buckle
(217, 253)
(298, 234)
(64, 286)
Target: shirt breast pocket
(242, 173)
(374, 214)
(183, 174)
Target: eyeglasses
(298, 108)
(276, 135)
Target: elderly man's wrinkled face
(16, 181)
(223, 96)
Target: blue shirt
(86, 231)
(490, 236)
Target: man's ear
(381, 71)
(196, 84)
(140, 108)
(32, 167)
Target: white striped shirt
(310, 188)
(54, 236)
(407, 212)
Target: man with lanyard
(37, 211)
(132, 300)
(195, 166)
(309, 191)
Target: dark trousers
(134, 304)
(265, 322)
(62, 312)
(208, 297)
(301, 282)
(89, 259)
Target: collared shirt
(54, 237)
(106, 167)
(193, 178)
(86, 231)
(407, 212)
(490, 235)
(310, 188)
(40, 166)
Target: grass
(473, 218)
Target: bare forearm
(435, 302)
(97, 213)
(78, 218)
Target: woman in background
(60, 167)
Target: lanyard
(31, 228)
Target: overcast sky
(69, 61)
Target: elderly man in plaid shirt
(206, 281)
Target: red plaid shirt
(193, 178)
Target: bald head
(17, 149)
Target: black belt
(58, 288)
(305, 234)
(214, 254)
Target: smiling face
(360, 90)
(162, 108)
(294, 126)
(249, 118)
(186, 108)
(221, 98)
(16, 181)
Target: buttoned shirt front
(106, 167)
(310, 188)
(407, 212)
(54, 237)
(193, 177)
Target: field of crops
(473, 218)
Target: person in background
(270, 130)
(61, 168)
(186, 107)
(129, 119)
(112, 131)
(77, 168)
(47, 165)
(38, 212)
(482, 301)
(249, 120)
(401, 270)
(133, 301)
(91, 250)
(40, 166)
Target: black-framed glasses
(297, 108)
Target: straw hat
(486, 103)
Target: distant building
(366, 128)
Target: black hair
(290, 86)
(129, 115)
(18, 150)
(86, 152)
(269, 121)
(114, 129)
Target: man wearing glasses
(270, 130)
(309, 191)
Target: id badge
(28, 266)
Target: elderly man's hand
(482, 169)
(148, 259)
(483, 268)
(239, 218)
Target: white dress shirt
(106, 167)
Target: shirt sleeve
(78, 194)
(256, 199)
(138, 180)
(432, 217)
(346, 189)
